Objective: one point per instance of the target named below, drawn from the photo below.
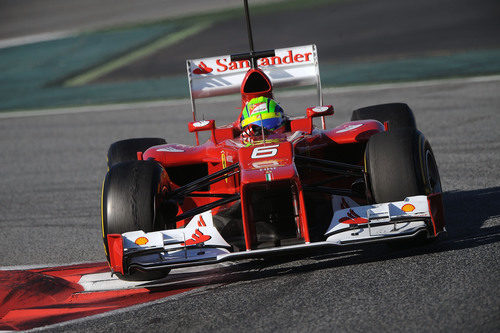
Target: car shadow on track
(472, 219)
(469, 213)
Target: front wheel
(400, 163)
(131, 200)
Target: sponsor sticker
(408, 208)
(223, 161)
(257, 108)
(353, 218)
(171, 150)
(202, 69)
(141, 241)
(349, 128)
(201, 123)
(201, 222)
(266, 164)
(320, 108)
(344, 204)
(283, 57)
(197, 238)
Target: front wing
(200, 242)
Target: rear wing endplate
(217, 76)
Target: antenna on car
(252, 55)
(253, 61)
(262, 129)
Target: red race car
(267, 184)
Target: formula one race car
(267, 184)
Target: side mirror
(319, 111)
(201, 125)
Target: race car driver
(261, 114)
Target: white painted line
(39, 266)
(30, 39)
(115, 63)
(414, 84)
(290, 93)
(93, 108)
(104, 281)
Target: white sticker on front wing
(170, 150)
(349, 128)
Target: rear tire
(398, 115)
(126, 150)
(400, 163)
(131, 198)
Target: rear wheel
(131, 200)
(400, 163)
(398, 115)
(126, 150)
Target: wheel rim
(432, 173)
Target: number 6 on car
(266, 151)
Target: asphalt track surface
(34, 17)
(344, 32)
(52, 167)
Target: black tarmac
(344, 32)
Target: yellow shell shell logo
(408, 208)
(141, 241)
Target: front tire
(400, 163)
(131, 200)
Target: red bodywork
(267, 165)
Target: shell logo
(141, 241)
(408, 208)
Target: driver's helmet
(264, 113)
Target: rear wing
(216, 76)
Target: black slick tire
(131, 197)
(398, 115)
(126, 150)
(400, 163)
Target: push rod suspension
(335, 166)
(210, 195)
(329, 190)
(204, 181)
(204, 208)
